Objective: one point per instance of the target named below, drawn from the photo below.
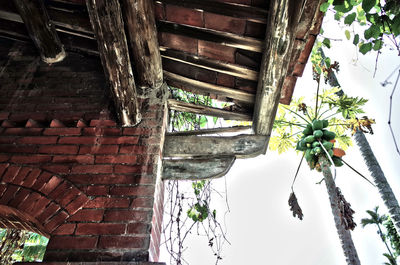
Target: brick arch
(37, 198)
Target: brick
(19, 197)
(99, 149)
(225, 80)
(80, 159)
(72, 242)
(56, 221)
(58, 149)
(97, 190)
(142, 202)
(3, 168)
(158, 12)
(11, 173)
(7, 139)
(31, 178)
(179, 42)
(217, 51)
(29, 201)
(116, 159)
(123, 169)
(57, 169)
(103, 123)
(119, 140)
(9, 194)
(67, 198)
(93, 169)
(56, 124)
(140, 190)
(76, 204)
(138, 228)
(102, 131)
(31, 159)
(132, 149)
(137, 131)
(39, 205)
(17, 149)
(25, 171)
(102, 179)
(4, 115)
(182, 15)
(122, 242)
(127, 216)
(224, 23)
(88, 215)
(51, 185)
(100, 229)
(38, 140)
(88, 140)
(107, 202)
(50, 210)
(255, 30)
(65, 229)
(23, 131)
(41, 181)
(62, 131)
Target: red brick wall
(93, 186)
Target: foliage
(387, 234)
(378, 19)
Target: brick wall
(68, 170)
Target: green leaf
(338, 15)
(374, 31)
(396, 25)
(365, 48)
(350, 18)
(324, 7)
(347, 33)
(367, 5)
(345, 7)
(356, 39)
(327, 43)
(328, 62)
(378, 45)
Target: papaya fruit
(317, 150)
(337, 161)
(315, 144)
(308, 130)
(309, 139)
(318, 134)
(328, 145)
(328, 135)
(301, 145)
(325, 123)
(317, 125)
(308, 156)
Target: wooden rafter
(284, 16)
(41, 30)
(142, 32)
(108, 26)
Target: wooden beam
(206, 88)
(283, 18)
(196, 169)
(108, 26)
(242, 146)
(142, 32)
(204, 110)
(41, 30)
(213, 65)
(227, 9)
(221, 130)
(223, 38)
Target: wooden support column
(108, 26)
(281, 29)
(142, 33)
(41, 30)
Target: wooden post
(41, 30)
(142, 33)
(108, 26)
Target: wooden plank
(204, 110)
(227, 9)
(142, 32)
(242, 146)
(283, 18)
(223, 38)
(213, 65)
(41, 30)
(236, 94)
(221, 130)
(196, 169)
(108, 26)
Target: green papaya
(301, 145)
(309, 139)
(315, 144)
(308, 130)
(330, 152)
(318, 134)
(308, 156)
(328, 135)
(317, 150)
(337, 161)
(317, 125)
(328, 145)
(325, 123)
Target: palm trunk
(349, 249)
(384, 188)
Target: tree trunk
(384, 188)
(344, 235)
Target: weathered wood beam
(208, 88)
(142, 32)
(204, 110)
(223, 38)
(213, 65)
(41, 30)
(283, 18)
(196, 169)
(108, 26)
(211, 131)
(227, 9)
(242, 146)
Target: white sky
(261, 227)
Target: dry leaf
(294, 206)
(346, 213)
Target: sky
(260, 226)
